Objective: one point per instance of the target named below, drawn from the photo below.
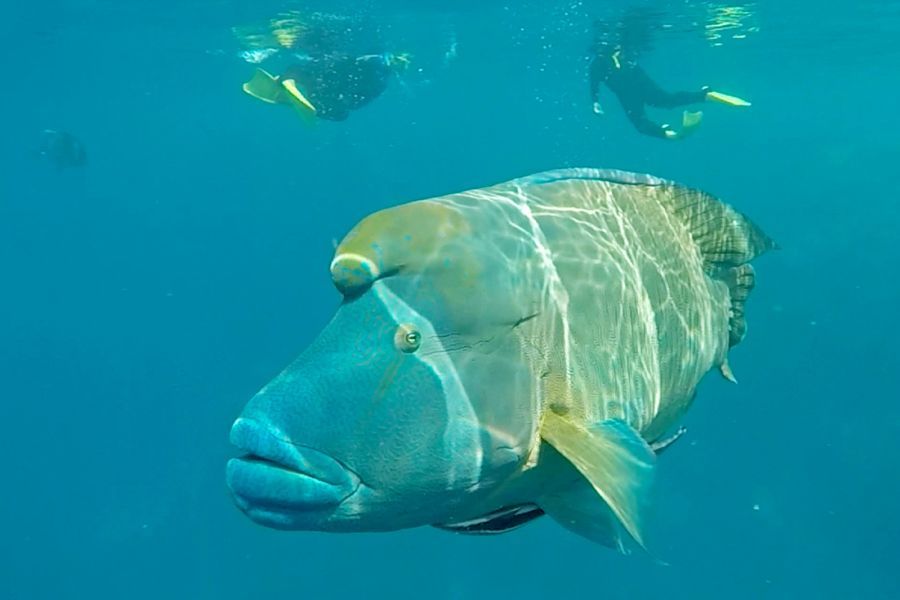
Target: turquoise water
(149, 294)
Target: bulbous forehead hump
(402, 238)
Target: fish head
(410, 403)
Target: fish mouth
(278, 483)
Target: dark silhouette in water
(62, 149)
(334, 64)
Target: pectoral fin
(581, 511)
(614, 458)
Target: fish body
(499, 354)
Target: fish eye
(407, 339)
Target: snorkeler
(635, 90)
(618, 45)
(328, 87)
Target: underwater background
(148, 294)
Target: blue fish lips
(282, 484)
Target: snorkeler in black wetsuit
(613, 66)
(328, 87)
(636, 90)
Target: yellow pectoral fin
(616, 461)
(263, 86)
(297, 96)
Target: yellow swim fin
(726, 99)
(264, 86)
(297, 98)
(690, 120)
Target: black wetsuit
(338, 84)
(635, 90)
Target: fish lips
(282, 484)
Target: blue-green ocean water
(145, 297)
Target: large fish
(500, 354)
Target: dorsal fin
(727, 241)
(740, 281)
(725, 237)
